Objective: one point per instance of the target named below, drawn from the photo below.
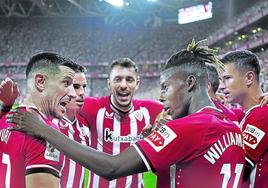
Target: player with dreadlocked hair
(198, 148)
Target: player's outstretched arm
(105, 165)
(8, 93)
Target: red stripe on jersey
(112, 132)
(72, 172)
(20, 152)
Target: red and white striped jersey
(21, 155)
(113, 131)
(72, 172)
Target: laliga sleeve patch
(52, 153)
(161, 138)
(252, 136)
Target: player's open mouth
(80, 101)
(123, 96)
(227, 94)
(166, 109)
(63, 106)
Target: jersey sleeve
(170, 144)
(41, 157)
(255, 136)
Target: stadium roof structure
(147, 12)
(92, 8)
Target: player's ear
(40, 81)
(138, 83)
(190, 82)
(108, 83)
(209, 86)
(249, 78)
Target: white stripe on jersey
(72, 164)
(81, 133)
(253, 176)
(128, 181)
(146, 115)
(81, 184)
(116, 145)
(117, 131)
(133, 126)
(140, 179)
(83, 142)
(99, 127)
(172, 171)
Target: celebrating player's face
(232, 84)
(58, 92)
(123, 83)
(173, 94)
(79, 84)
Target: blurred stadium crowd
(95, 46)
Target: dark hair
(80, 69)
(191, 61)
(243, 60)
(213, 76)
(49, 62)
(124, 62)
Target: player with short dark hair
(73, 174)
(27, 161)
(213, 85)
(117, 120)
(199, 148)
(241, 85)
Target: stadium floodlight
(116, 3)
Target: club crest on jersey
(52, 153)
(63, 124)
(138, 115)
(252, 136)
(109, 116)
(161, 138)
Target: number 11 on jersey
(6, 161)
(226, 171)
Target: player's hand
(264, 99)
(221, 98)
(26, 121)
(9, 91)
(161, 119)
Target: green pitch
(149, 179)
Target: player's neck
(70, 114)
(124, 109)
(197, 103)
(252, 98)
(39, 102)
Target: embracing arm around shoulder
(110, 167)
